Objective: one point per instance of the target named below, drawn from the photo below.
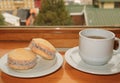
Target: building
(90, 15)
(11, 20)
(76, 13)
(18, 8)
(101, 17)
(8, 5)
(86, 2)
(37, 3)
(107, 3)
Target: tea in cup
(96, 46)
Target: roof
(23, 13)
(75, 9)
(109, 0)
(100, 16)
(11, 19)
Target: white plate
(43, 67)
(73, 59)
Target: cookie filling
(44, 50)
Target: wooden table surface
(66, 74)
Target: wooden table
(20, 37)
(66, 74)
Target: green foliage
(53, 12)
(2, 20)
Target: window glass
(81, 13)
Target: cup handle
(0, 63)
(117, 45)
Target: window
(117, 4)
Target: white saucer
(43, 67)
(73, 59)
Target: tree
(53, 12)
(2, 20)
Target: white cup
(96, 46)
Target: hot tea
(96, 37)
